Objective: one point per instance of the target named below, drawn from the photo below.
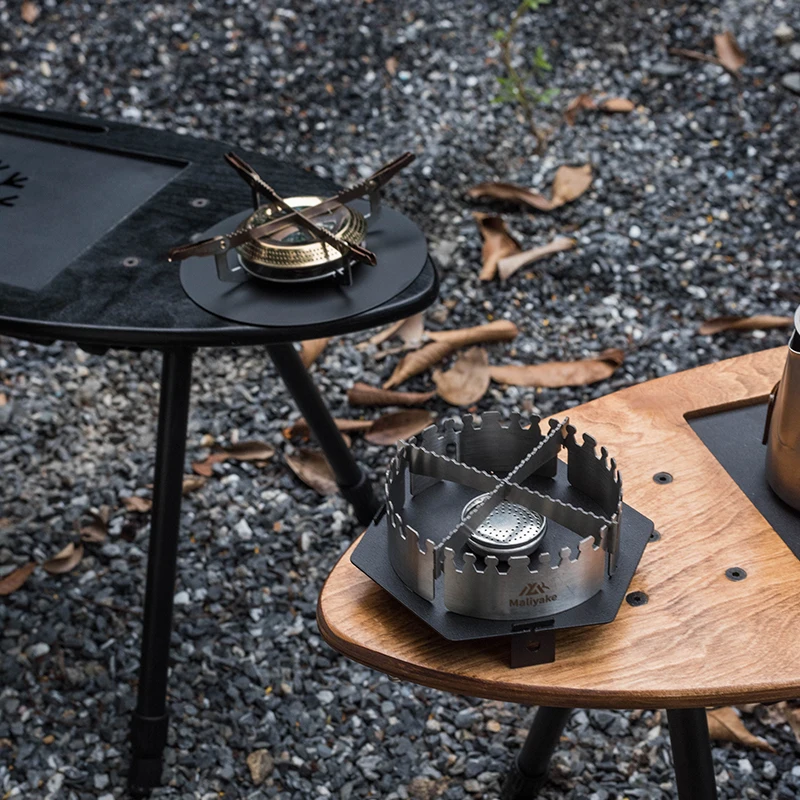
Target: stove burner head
(509, 530)
(293, 253)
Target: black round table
(85, 223)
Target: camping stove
(296, 239)
(487, 532)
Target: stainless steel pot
(782, 430)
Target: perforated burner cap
(510, 530)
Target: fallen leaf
(467, 381)
(29, 12)
(311, 349)
(206, 467)
(583, 102)
(758, 322)
(617, 105)
(390, 428)
(728, 52)
(510, 192)
(501, 330)
(556, 374)
(779, 714)
(250, 451)
(96, 532)
(694, 55)
(570, 183)
(191, 483)
(725, 724)
(260, 764)
(410, 330)
(15, 579)
(65, 560)
(418, 361)
(391, 65)
(302, 430)
(313, 469)
(139, 505)
(364, 395)
(497, 243)
(506, 267)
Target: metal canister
(782, 430)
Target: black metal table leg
(529, 771)
(352, 481)
(150, 720)
(691, 754)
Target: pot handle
(770, 408)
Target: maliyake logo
(9, 182)
(534, 594)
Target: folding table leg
(352, 481)
(150, 720)
(529, 771)
(691, 754)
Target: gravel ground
(691, 215)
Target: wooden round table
(702, 639)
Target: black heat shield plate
(734, 439)
(442, 503)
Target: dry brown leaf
(389, 428)
(501, 330)
(15, 579)
(65, 560)
(693, 55)
(410, 330)
(511, 193)
(725, 724)
(556, 374)
(617, 105)
(506, 267)
(779, 714)
(206, 467)
(569, 184)
(418, 361)
(311, 349)
(191, 483)
(729, 53)
(364, 395)
(140, 505)
(302, 430)
(250, 451)
(29, 12)
(758, 322)
(497, 243)
(313, 469)
(467, 381)
(583, 102)
(96, 532)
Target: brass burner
(293, 253)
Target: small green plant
(522, 87)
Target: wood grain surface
(700, 640)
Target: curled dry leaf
(96, 532)
(418, 361)
(725, 724)
(242, 451)
(467, 380)
(389, 428)
(758, 322)
(364, 395)
(191, 483)
(617, 105)
(29, 12)
(568, 185)
(301, 429)
(311, 349)
(556, 374)
(410, 330)
(497, 243)
(508, 266)
(729, 53)
(313, 469)
(583, 102)
(139, 505)
(11, 582)
(206, 467)
(65, 560)
(501, 330)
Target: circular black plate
(397, 242)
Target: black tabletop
(88, 211)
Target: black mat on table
(734, 438)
